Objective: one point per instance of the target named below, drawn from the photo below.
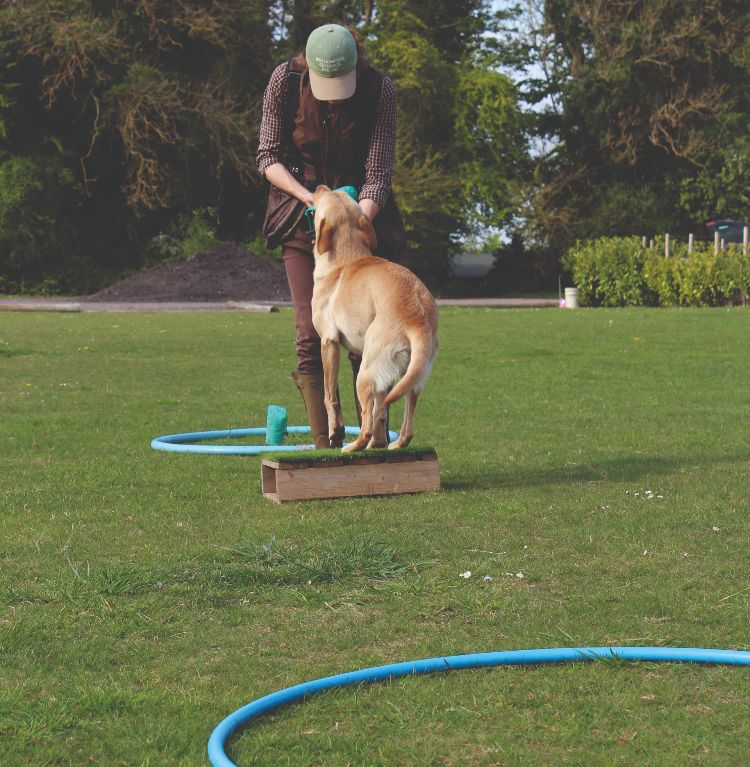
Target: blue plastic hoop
(185, 443)
(219, 737)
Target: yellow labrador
(374, 308)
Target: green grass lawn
(145, 595)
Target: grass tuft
(361, 559)
(335, 454)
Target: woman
(328, 118)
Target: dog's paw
(337, 437)
(402, 441)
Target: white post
(651, 244)
(644, 242)
(691, 242)
(745, 231)
(717, 241)
(666, 245)
(723, 244)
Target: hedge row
(619, 271)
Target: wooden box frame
(366, 473)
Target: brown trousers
(299, 263)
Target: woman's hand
(279, 176)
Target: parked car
(729, 231)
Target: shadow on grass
(620, 469)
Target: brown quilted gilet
(335, 139)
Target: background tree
(461, 145)
(119, 118)
(128, 128)
(127, 125)
(645, 119)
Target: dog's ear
(371, 239)
(324, 240)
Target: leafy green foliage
(186, 234)
(649, 103)
(155, 108)
(489, 143)
(721, 187)
(124, 119)
(461, 148)
(153, 111)
(619, 271)
(34, 191)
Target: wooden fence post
(745, 231)
(666, 245)
(716, 243)
(691, 243)
(644, 242)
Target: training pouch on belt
(283, 213)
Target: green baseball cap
(331, 55)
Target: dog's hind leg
(380, 421)
(330, 351)
(365, 395)
(404, 437)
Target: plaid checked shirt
(380, 156)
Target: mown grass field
(145, 596)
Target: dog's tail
(420, 363)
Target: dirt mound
(224, 272)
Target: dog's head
(338, 216)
